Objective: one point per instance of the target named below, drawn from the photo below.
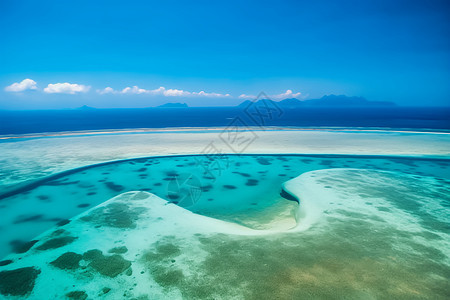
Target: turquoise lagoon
(254, 226)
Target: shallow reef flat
(357, 234)
(244, 189)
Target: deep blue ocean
(23, 122)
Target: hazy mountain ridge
(327, 100)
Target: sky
(65, 54)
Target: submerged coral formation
(358, 234)
(377, 230)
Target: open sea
(22, 122)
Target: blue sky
(221, 52)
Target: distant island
(173, 105)
(325, 101)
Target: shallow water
(238, 188)
(383, 220)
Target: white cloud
(244, 96)
(213, 95)
(160, 91)
(107, 90)
(175, 93)
(287, 94)
(130, 90)
(66, 88)
(134, 90)
(26, 84)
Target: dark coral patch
(117, 215)
(172, 173)
(118, 250)
(77, 295)
(167, 278)
(21, 246)
(110, 266)
(251, 182)
(229, 186)
(44, 198)
(18, 282)
(263, 161)
(56, 243)
(114, 187)
(63, 222)
(164, 253)
(92, 254)
(5, 262)
(67, 261)
(242, 174)
(206, 188)
(173, 196)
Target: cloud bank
(73, 88)
(160, 91)
(285, 95)
(66, 88)
(26, 84)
